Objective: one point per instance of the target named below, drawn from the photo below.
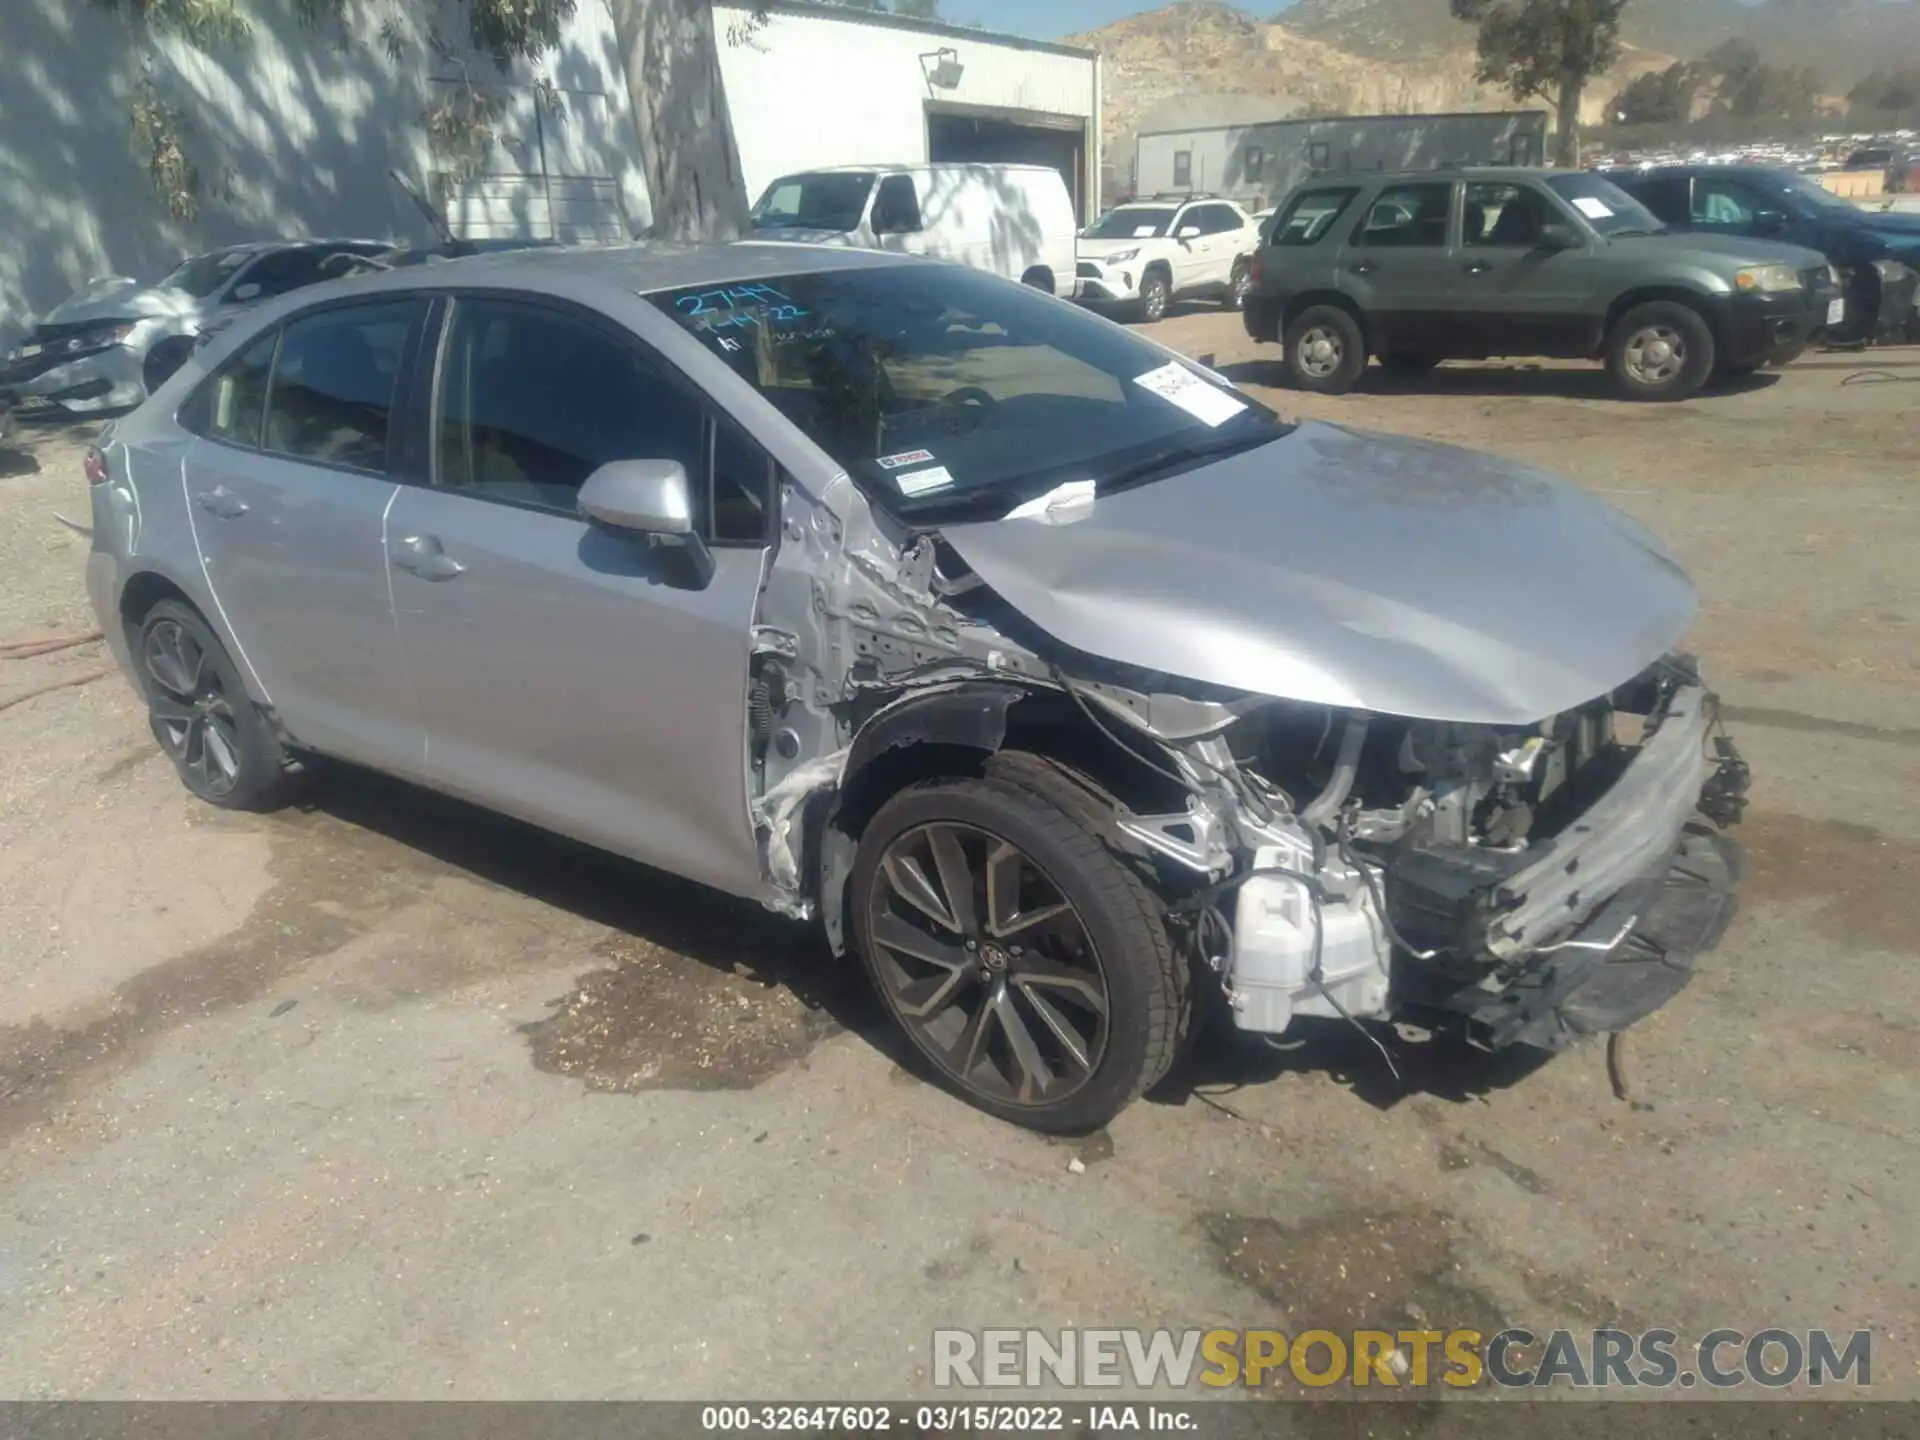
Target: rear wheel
(200, 712)
(1030, 968)
(1040, 278)
(1326, 352)
(1661, 351)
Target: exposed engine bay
(1531, 883)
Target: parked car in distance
(1045, 670)
(1014, 221)
(1768, 203)
(1144, 255)
(1467, 264)
(110, 345)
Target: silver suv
(1076, 692)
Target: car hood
(1097, 249)
(1735, 248)
(1355, 570)
(119, 298)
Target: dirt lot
(386, 1098)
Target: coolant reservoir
(1273, 947)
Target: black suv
(1422, 267)
(1764, 202)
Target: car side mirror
(1187, 232)
(248, 291)
(651, 498)
(1769, 222)
(1557, 235)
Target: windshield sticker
(1591, 208)
(1145, 232)
(737, 307)
(904, 459)
(1174, 382)
(924, 482)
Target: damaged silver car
(1070, 688)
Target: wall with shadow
(292, 131)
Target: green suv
(1465, 264)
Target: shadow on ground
(1223, 1060)
(1518, 380)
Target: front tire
(1031, 970)
(1155, 293)
(1660, 352)
(199, 710)
(1326, 353)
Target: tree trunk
(1567, 155)
(687, 149)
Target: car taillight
(95, 465)
(1255, 268)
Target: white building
(293, 132)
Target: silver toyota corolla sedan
(1074, 691)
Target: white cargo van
(1015, 220)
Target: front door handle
(222, 502)
(1478, 267)
(423, 555)
(1363, 267)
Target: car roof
(912, 166)
(644, 267)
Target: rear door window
(1311, 216)
(1723, 204)
(1407, 216)
(334, 379)
(232, 405)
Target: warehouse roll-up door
(969, 135)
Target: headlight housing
(1768, 280)
(1120, 257)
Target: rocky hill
(1840, 38)
(1200, 62)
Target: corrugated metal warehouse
(1256, 164)
(293, 132)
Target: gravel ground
(384, 1098)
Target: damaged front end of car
(1526, 884)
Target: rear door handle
(1363, 267)
(222, 502)
(424, 556)
(1478, 267)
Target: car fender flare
(968, 716)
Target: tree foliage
(670, 59)
(1659, 97)
(1546, 49)
(1890, 97)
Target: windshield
(1604, 205)
(822, 201)
(1132, 222)
(204, 274)
(947, 392)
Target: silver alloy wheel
(1242, 286)
(1153, 300)
(1321, 352)
(987, 964)
(192, 717)
(1656, 355)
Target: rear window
(1311, 215)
